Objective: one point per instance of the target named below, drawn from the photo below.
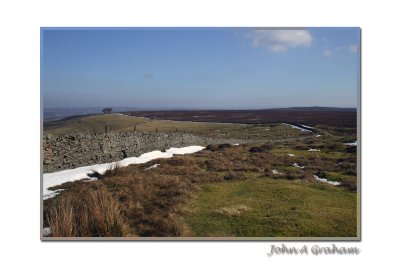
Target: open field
(121, 123)
(250, 190)
(272, 208)
(343, 117)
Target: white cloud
(353, 49)
(340, 49)
(280, 40)
(327, 52)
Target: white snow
(290, 155)
(296, 127)
(326, 180)
(183, 150)
(307, 126)
(54, 193)
(298, 166)
(276, 172)
(235, 144)
(351, 144)
(60, 177)
(318, 135)
(313, 150)
(152, 167)
(46, 231)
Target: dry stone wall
(82, 149)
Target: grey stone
(87, 149)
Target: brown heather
(136, 201)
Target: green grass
(118, 123)
(286, 168)
(223, 191)
(283, 151)
(274, 208)
(346, 180)
(94, 124)
(335, 176)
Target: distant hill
(53, 114)
(320, 109)
(343, 117)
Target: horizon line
(198, 108)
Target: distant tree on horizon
(107, 110)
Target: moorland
(289, 173)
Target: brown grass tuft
(61, 218)
(232, 211)
(232, 175)
(113, 170)
(93, 214)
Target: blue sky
(200, 67)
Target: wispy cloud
(340, 49)
(353, 48)
(280, 40)
(327, 52)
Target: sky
(200, 68)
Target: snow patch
(326, 180)
(318, 135)
(70, 175)
(120, 114)
(54, 193)
(276, 172)
(297, 127)
(314, 150)
(351, 144)
(152, 167)
(290, 155)
(298, 166)
(307, 126)
(46, 231)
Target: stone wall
(82, 149)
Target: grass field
(93, 123)
(120, 123)
(258, 207)
(222, 191)
(265, 187)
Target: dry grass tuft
(260, 149)
(95, 213)
(232, 211)
(61, 218)
(153, 203)
(113, 170)
(232, 175)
